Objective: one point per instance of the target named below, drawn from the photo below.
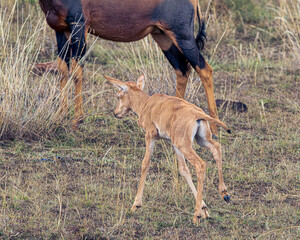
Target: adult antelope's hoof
(75, 127)
(76, 124)
(227, 198)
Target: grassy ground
(59, 184)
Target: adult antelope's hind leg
(186, 44)
(205, 73)
(176, 59)
(181, 67)
(145, 168)
(185, 172)
(206, 76)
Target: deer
(169, 22)
(178, 121)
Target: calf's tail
(216, 122)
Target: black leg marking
(76, 22)
(63, 47)
(177, 59)
(191, 51)
(78, 45)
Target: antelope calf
(174, 119)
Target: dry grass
(60, 184)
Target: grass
(59, 184)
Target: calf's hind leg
(204, 138)
(185, 172)
(200, 167)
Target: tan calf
(174, 119)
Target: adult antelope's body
(174, 119)
(170, 22)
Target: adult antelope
(174, 119)
(170, 23)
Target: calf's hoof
(226, 196)
(203, 214)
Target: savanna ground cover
(56, 183)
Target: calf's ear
(141, 82)
(117, 83)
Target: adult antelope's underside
(170, 23)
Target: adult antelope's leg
(78, 47)
(63, 67)
(145, 168)
(206, 76)
(182, 69)
(78, 80)
(183, 39)
(200, 167)
(191, 51)
(176, 59)
(185, 172)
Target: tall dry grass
(287, 28)
(30, 104)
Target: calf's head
(125, 95)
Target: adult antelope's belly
(120, 31)
(124, 21)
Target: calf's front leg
(145, 168)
